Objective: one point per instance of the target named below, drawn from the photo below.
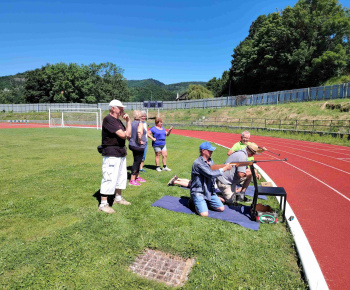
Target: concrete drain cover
(162, 267)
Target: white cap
(116, 103)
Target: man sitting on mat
(228, 181)
(203, 181)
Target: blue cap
(206, 146)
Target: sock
(103, 203)
(118, 197)
(164, 166)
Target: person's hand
(171, 128)
(126, 117)
(142, 143)
(228, 166)
(258, 176)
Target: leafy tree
(198, 92)
(62, 83)
(219, 86)
(108, 82)
(298, 47)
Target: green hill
(13, 81)
(149, 88)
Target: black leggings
(138, 155)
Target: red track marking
(9, 125)
(316, 178)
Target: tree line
(73, 83)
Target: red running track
(316, 179)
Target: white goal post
(75, 117)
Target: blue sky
(170, 41)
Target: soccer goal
(75, 117)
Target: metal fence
(335, 127)
(299, 95)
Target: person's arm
(207, 172)
(241, 174)
(169, 131)
(127, 133)
(149, 135)
(140, 133)
(234, 148)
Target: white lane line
(317, 162)
(319, 181)
(311, 267)
(313, 152)
(309, 173)
(299, 144)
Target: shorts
(227, 191)
(159, 148)
(202, 204)
(114, 175)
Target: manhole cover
(162, 267)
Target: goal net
(75, 117)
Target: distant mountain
(174, 88)
(13, 81)
(144, 83)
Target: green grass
(52, 235)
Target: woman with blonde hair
(143, 120)
(137, 144)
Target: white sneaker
(106, 208)
(158, 169)
(166, 169)
(122, 201)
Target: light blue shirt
(203, 178)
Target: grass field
(52, 235)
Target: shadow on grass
(110, 198)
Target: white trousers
(114, 174)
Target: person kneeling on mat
(228, 181)
(203, 181)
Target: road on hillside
(317, 181)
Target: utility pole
(229, 88)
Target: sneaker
(139, 179)
(122, 201)
(134, 183)
(142, 170)
(158, 169)
(166, 168)
(106, 208)
(171, 182)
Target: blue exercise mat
(235, 214)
